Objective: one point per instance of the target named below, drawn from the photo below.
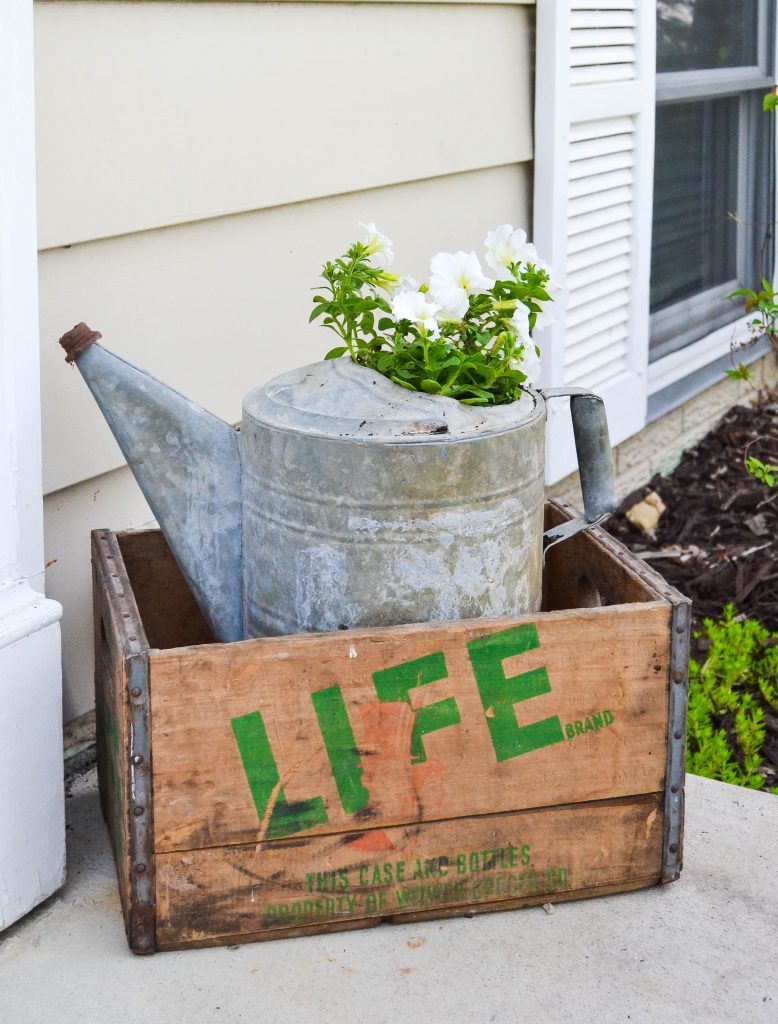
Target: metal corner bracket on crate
(138, 892)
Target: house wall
(197, 162)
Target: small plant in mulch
(713, 536)
(733, 702)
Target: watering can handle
(595, 465)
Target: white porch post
(32, 832)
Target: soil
(715, 542)
(716, 539)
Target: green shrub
(735, 686)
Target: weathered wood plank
(282, 736)
(165, 603)
(584, 572)
(124, 752)
(111, 719)
(431, 915)
(491, 862)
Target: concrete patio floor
(700, 950)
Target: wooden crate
(289, 785)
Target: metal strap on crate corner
(672, 854)
(141, 924)
(142, 914)
(680, 635)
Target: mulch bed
(717, 540)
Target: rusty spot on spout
(77, 341)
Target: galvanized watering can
(345, 500)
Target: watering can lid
(340, 399)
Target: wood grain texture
(165, 603)
(595, 660)
(501, 763)
(438, 914)
(112, 715)
(122, 699)
(584, 573)
(296, 886)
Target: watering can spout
(187, 463)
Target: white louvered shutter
(594, 150)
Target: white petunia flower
(379, 247)
(454, 277)
(520, 322)
(416, 307)
(406, 283)
(504, 246)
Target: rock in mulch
(717, 538)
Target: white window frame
(687, 360)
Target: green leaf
(469, 361)
(318, 310)
(488, 374)
(770, 102)
(765, 474)
(474, 391)
(740, 372)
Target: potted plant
(463, 335)
(401, 483)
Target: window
(713, 195)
